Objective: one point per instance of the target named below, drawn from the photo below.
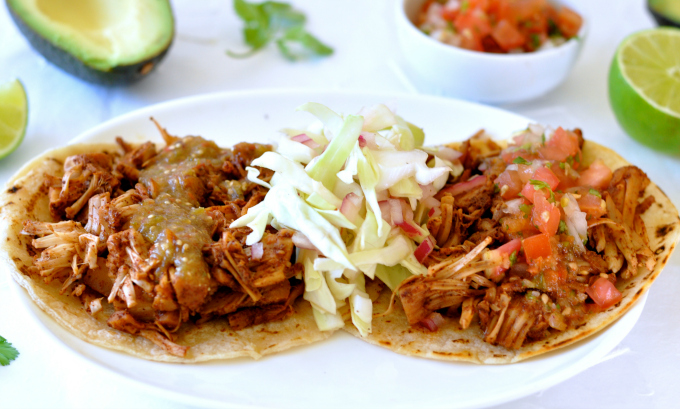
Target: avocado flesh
(104, 41)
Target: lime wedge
(13, 116)
(644, 87)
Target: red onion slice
(396, 212)
(301, 241)
(367, 139)
(449, 154)
(385, 209)
(433, 321)
(305, 140)
(256, 251)
(409, 229)
(461, 187)
(424, 249)
(351, 205)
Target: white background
(641, 372)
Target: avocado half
(665, 12)
(109, 42)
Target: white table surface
(641, 372)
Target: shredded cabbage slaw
(357, 187)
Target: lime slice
(644, 87)
(13, 116)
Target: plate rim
(633, 314)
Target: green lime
(13, 116)
(644, 87)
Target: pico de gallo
(539, 246)
(499, 26)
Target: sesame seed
(184, 259)
(150, 216)
(166, 202)
(185, 247)
(179, 242)
(584, 272)
(566, 311)
(545, 298)
(166, 172)
(604, 275)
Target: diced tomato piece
(604, 293)
(537, 246)
(479, 4)
(449, 14)
(509, 156)
(566, 180)
(566, 140)
(470, 41)
(568, 22)
(598, 175)
(474, 20)
(507, 35)
(520, 10)
(545, 215)
(591, 205)
(545, 175)
(542, 174)
(510, 247)
(562, 145)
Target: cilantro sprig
(7, 352)
(539, 184)
(278, 22)
(595, 192)
(520, 160)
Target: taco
(536, 246)
(129, 248)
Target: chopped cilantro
(585, 241)
(526, 209)
(595, 192)
(513, 258)
(7, 352)
(570, 160)
(538, 184)
(562, 165)
(562, 227)
(496, 189)
(543, 138)
(520, 160)
(535, 41)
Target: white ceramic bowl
(479, 76)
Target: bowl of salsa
(493, 51)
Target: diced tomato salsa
(499, 26)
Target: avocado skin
(119, 75)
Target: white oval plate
(342, 371)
